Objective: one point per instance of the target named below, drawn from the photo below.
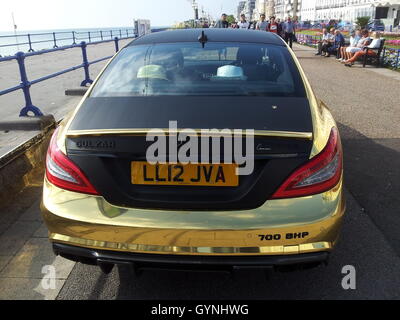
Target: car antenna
(203, 39)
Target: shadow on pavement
(372, 175)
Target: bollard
(116, 44)
(54, 39)
(29, 107)
(85, 65)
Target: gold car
(110, 198)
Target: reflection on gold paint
(264, 250)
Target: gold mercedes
(197, 149)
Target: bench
(371, 59)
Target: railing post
(101, 35)
(55, 41)
(73, 37)
(90, 39)
(111, 34)
(29, 107)
(116, 44)
(120, 33)
(85, 65)
(127, 33)
(30, 43)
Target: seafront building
(286, 8)
(246, 7)
(240, 9)
(318, 10)
(308, 10)
(264, 6)
(349, 10)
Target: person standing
(222, 23)
(289, 29)
(262, 24)
(273, 26)
(280, 28)
(243, 24)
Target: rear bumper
(177, 262)
(291, 227)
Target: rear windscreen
(219, 69)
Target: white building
(308, 10)
(240, 9)
(249, 8)
(286, 8)
(259, 9)
(350, 10)
(266, 7)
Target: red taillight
(318, 175)
(63, 173)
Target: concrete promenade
(365, 103)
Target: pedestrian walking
(222, 23)
(243, 23)
(262, 24)
(273, 26)
(280, 28)
(289, 29)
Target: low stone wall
(22, 166)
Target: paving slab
(42, 232)
(31, 260)
(3, 261)
(21, 202)
(32, 213)
(27, 289)
(14, 238)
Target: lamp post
(15, 30)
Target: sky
(70, 14)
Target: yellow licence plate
(213, 175)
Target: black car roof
(213, 35)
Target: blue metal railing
(36, 41)
(26, 84)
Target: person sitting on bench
(325, 42)
(337, 44)
(362, 43)
(354, 38)
(375, 44)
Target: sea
(10, 43)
